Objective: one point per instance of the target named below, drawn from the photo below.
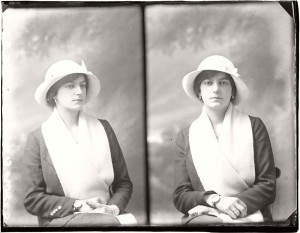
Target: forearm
(37, 201)
(121, 196)
(263, 191)
(258, 197)
(185, 200)
(122, 186)
(185, 196)
(48, 206)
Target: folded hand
(201, 209)
(91, 204)
(232, 206)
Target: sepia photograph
(76, 75)
(191, 48)
(149, 115)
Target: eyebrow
(75, 82)
(225, 78)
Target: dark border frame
(291, 225)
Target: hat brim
(93, 88)
(242, 90)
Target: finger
(241, 208)
(108, 210)
(92, 204)
(85, 208)
(94, 199)
(98, 210)
(236, 212)
(191, 211)
(231, 214)
(95, 205)
(241, 203)
(211, 211)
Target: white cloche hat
(217, 63)
(60, 70)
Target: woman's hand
(90, 204)
(98, 207)
(232, 206)
(104, 209)
(201, 209)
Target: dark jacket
(44, 195)
(189, 191)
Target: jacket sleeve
(263, 192)
(185, 197)
(37, 201)
(122, 185)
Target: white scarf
(85, 168)
(225, 165)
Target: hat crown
(219, 63)
(64, 68)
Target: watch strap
(214, 202)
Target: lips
(216, 98)
(78, 100)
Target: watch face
(216, 199)
(77, 205)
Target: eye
(83, 85)
(207, 82)
(70, 86)
(224, 82)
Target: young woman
(77, 175)
(224, 169)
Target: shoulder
(107, 127)
(35, 140)
(36, 134)
(258, 127)
(182, 136)
(256, 122)
(104, 123)
(184, 132)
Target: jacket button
(59, 207)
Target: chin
(76, 108)
(217, 106)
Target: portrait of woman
(76, 172)
(224, 167)
(29, 49)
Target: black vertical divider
(144, 48)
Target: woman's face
(72, 95)
(216, 91)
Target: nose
(215, 87)
(78, 90)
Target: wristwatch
(216, 198)
(77, 205)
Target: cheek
(203, 90)
(230, 90)
(61, 94)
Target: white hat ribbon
(234, 72)
(84, 67)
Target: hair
(52, 92)
(207, 74)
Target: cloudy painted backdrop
(259, 39)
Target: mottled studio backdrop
(109, 42)
(259, 39)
